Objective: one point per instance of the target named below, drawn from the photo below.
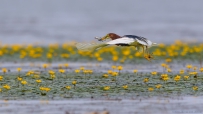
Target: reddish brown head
(111, 36)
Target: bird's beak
(104, 38)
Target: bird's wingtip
(154, 44)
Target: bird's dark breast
(120, 44)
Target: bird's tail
(90, 46)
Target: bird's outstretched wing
(140, 39)
(89, 46)
(123, 40)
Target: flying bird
(127, 40)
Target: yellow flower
(146, 80)
(114, 73)
(106, 88)
(49, 55)
(126, 52)
(105, 75)
(4, 70)
(19, 69)
(36, 76)
(168, 60)
(77, 71)
(113, 67)
(189, 66)
(45, 66)
(68, 87)
(61, 70)
(115, 58)
(164, 75)
(19, 79)
(110, 71)
(66, 65)
(7, 87)
(158, 86)
(201, 69)
(97, 54)
(74, 82)
(38, 81)
(89, 71)
(0, 90)
(52, 76)
(23, 82)
(154, 73)
(82, 68)
(135, 70)
(194, 68)
(177, 78)
(51, 72)
(120, 68)
(29, 73)
(193, 73)
(1, 78)
(99, 59)
(168, 70)
(85, 71)
(137, 54)
(125, 87)
(182, 71)
(150, 89)
(186, 77)
(164, 65)
(165, 78)
(195, 88)
(64, 55)
(42, 88)
(45, 89)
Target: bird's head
(111, 36)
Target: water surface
(50, 21)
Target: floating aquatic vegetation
(50, 83)
(64, 81)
